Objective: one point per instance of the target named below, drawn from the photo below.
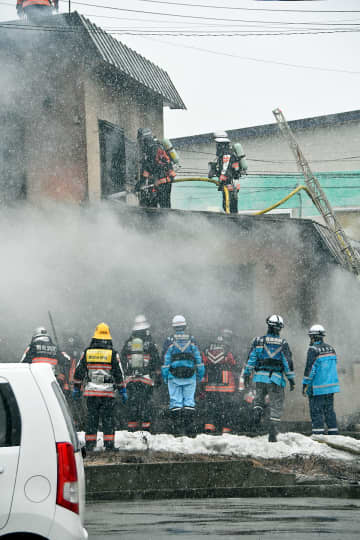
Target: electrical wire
(247, 9)
(180, 16)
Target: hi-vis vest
(99, 369)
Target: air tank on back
(241, 155)
(170, 150)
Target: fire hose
(226, 191)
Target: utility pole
(347, 253)
(69, 6)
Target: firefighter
(141, 361)
(72, 349)
(35, 10)
(100, 369)
(182, 368)
(227, 169)
(321, 382)
(219, 384)
(42, 350)
(270, 358)
(157, 171)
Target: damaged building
(72, 99)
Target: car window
(10, 420)
(68, 418)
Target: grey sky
(221, 87)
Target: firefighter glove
(292, 385)
(123, 394)
(304, 390)
(246, 381)
(76, 393)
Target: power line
(261, 60)
(74, 29)
(249, 9)
(184, 16)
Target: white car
(42, 482)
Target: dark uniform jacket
(147, 367)
(43, 351)
(220, 369)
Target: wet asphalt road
(255, 519)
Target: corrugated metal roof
(135, 66)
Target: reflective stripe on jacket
(320, 373)
(182, 354)
(101, 368)
(270, 359)
(219, 367)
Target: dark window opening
(112, 156)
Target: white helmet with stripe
(141, 323)
(275, 321)
(178, 321)
(317, 330)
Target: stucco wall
(123, 104)
(325, 147)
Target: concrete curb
(335, 491)
(177, 480)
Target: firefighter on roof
(101, 370)
(156, 171)
(42, 350)
(35, 10)
(269, 360)
(230, 164)
(142, 364)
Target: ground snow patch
(289, 444)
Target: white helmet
(275, 321)
(141, 323)
(178, 320)
(317, 330)
(39, 332)
(221, 136)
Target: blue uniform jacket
(320, 374)
(182, 359)
(270, 358)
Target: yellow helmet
(102, 331)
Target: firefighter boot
(272, 432)
(176, 422)
(188, 420)
(257, 414)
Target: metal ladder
(347, 253)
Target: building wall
(272, 168)
(55, 139)
(125, 105)
(325, 147)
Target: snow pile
(289, 444)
